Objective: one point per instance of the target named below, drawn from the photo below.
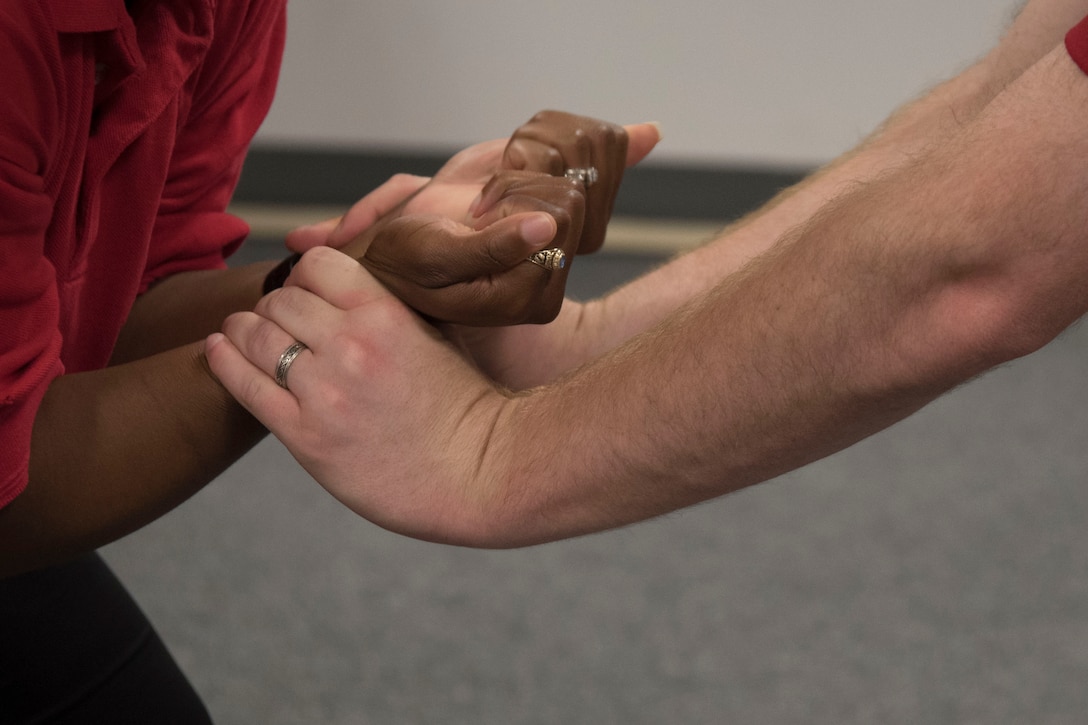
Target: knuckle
(284, 301)
(358, 345)
(570, 185)
(353, 353)
(388, 314)
(582, 138)
(267, 337)
(251, 392)
(402, 183)
(553, 161)
(544, 116)
(270, 302)
(403, 179)
(609, 132)
(235, 323)
(572, 199)
(312, 260)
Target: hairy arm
(916, 127)
(970, 256)
(156, 426)
(967, 256)
(909, 132)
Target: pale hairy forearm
(969, 256)
(911, 130)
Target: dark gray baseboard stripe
(278, 175)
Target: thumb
(374, 206)
(446, 255)
(363, 213)
(312, 235)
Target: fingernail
(657, 125)
(538, 229)
(213, 339)
(475, 203)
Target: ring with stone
(588, 175)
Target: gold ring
(549, 259)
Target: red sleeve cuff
(1076, 41)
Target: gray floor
(933, 574)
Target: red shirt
(121, 141)
(1076, 42)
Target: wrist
(497, 504)
(217, 400)
(475, 506)
(588, 339)
(538, 474)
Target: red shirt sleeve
(235, 87)
(1076, 41)
(29, 308)
(50, 315)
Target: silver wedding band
(588, 175)
(286, 360)
(549, 259)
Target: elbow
(997, 318)
(1027, 329)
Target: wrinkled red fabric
(121, 141)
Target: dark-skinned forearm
(114, 449)
(188, 307)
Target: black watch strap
(280, 273)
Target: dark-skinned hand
(456, 265)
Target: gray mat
(933, 574)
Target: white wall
(789, 83)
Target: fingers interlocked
(590, 152)
(481, 275)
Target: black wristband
(280, 273)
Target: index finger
(534, 152)
(337, 278)
(338, 231)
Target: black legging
(75, 648)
